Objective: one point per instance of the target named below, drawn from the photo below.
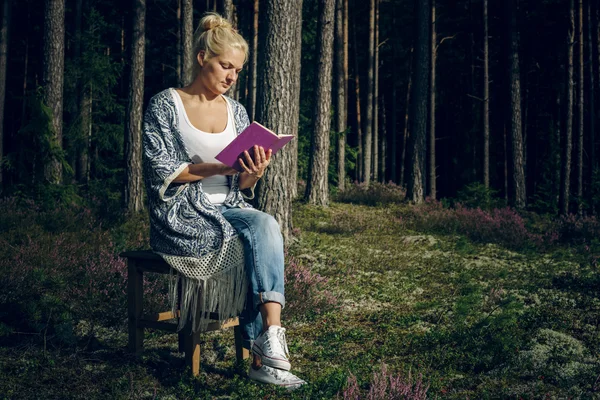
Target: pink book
(254, 134)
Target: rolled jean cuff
(269, 297)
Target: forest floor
(413, 309)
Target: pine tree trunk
(432, 89)
(252, 66)
(592, 107)
(566, 146)
(595, 81)
(394, 122)
(376, 98)
(418, 107)
(384, 142)
(84, 104)
(133, 128)
(52, 80)
(85, 112)
(227, 9)
(340, 73)
(518, 174)
(359, 157)
(179, 54)
(278, 102)
(368, 131)
(6, 11)
(486, 99)
(317, 188)
(405, 132)
(187, 33)
(581, 115)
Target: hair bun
(212, 21)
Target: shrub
(373, 194)
(305, 291)
(60, 267)
(476, 195)
(385, 386)
(503, 226)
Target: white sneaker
(272, 348)
(266, 374)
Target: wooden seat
(139, 262)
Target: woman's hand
(256, 166)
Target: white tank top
(202, 147)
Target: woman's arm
(195, 172)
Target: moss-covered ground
(471, 320)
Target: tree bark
(227, 9)
(180, 54)
(486, 99)
(418, 106)
(405, 132)
(581, 115)
(376, 159)
(187, 34)
(384, 142)
(340, 73)
(133, 129)
(6, 11)
(432, 89)
(359, 157)
(394, 125)
(252, 66)
(278, 102)
(566, 146)
(52, 80)
(518, 174)
(317, 188)
(368, 134)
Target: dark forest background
(97, 64)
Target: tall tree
(486, 98)
(516, 136)
(317, 188)
(133, 127)
(253, 59)
(405, 132)
(278, 102)
(84, 106)
(432, 88)
(187, 33)
(341, 65)
(565, 176)
(6, 10)
(376, 158)
(52, 80)
(226, 8)
(359, 131)
(394, 124)
(581, 113)
(368, 131)
(418, 105)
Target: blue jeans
(263, 254)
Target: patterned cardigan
(186, 229)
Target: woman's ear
(200, 57)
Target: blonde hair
(214, 36)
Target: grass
(470, 319)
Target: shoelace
(283, 341)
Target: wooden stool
(139, 262)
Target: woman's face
(219, 73)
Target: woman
(229, 256)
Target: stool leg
(192, 352)
(241, 353)
(135, 292)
